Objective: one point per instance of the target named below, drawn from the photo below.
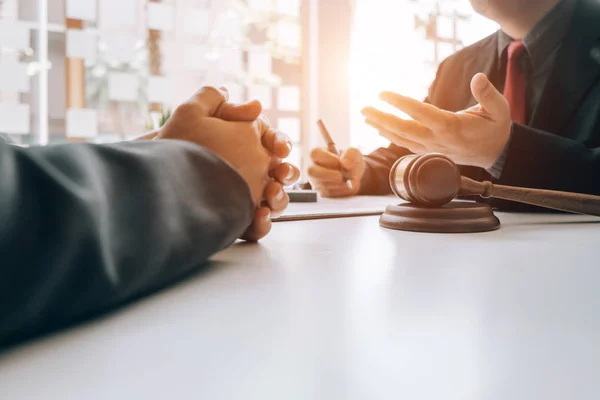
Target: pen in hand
(332, 149)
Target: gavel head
(428, 179)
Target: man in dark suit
(85, 228)
(544, 132)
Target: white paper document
(161, 90)
(14, 35)
(82, 44)
(262, 93)
(161, 17)
(338, 208)
(196, 21)
(14, 77)
(82, 123)
(121, 48)
(288, 98)
(291, 127)
(14, 118)
(123, 86)
(81, 9)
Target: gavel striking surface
(454, 217)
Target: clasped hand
(244, 138)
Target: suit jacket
(560, 150)
(84, 228)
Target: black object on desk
(302, 196)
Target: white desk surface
(344, 309)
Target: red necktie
(514, 87)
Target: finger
(261, 125)
(414, 147)
(225, 91)
(261, 225)
(209, 99)
(266, 119)
(326, 175)
(488, 96)
(421, 139)
(398, 139)
(391, 123)
(341, 185)
(285, 173)
(277, 143)
(324, 158)
(276, 198)
(427, 114)
(246, 112)
(351, 161)
(274, 163)
(336, 192)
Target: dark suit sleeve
(84, 228)
(375, 180)
(538, 159)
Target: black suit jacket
(560, 149)
(84, 228)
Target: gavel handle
(563, 201)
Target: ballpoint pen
(332, 149)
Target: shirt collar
(545, 36)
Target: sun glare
(388, 53)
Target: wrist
(498, 149)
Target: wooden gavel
(434, 180)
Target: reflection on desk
(344, 309)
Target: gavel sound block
(429, 182)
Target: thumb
(351, 160)
(240, 112)
(214, 103)
(487, 95)
(210, 99)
